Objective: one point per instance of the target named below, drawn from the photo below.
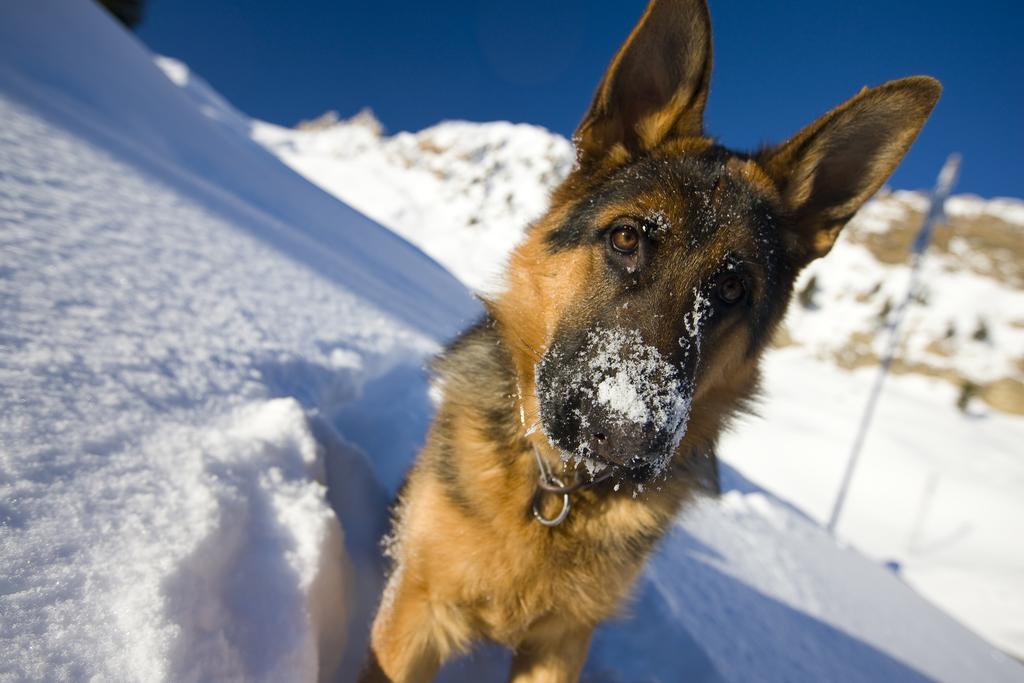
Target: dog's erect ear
(656, 86)
(830, 168)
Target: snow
(955, 299)
(171, 294)
(117, 342)
(752, 567)
(213, 383)
(936, 491)
(618, 393)
(1006, 208)
(461, 191)
(693, 321)
(635, 383)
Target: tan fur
(470, 561)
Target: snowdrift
(176, 305)
(212, 383)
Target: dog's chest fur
(493, 568)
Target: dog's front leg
(404, 645)
(551, 654)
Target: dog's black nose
(617, 448)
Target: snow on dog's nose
(615, 398)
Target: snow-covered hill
(173, 303)
(211, 385)
(463, 192)
(940, 488)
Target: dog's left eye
(731, 289)
(624, 239)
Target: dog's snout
(616, 447)
(610, 395)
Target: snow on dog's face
(672, 277)
(633, 402)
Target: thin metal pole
(944, 185)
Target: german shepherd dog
(627, 336)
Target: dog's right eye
(731, 290)
(624, 239)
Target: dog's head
(638, 307)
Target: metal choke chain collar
(548, 483)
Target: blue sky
(777, 65)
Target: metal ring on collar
(560, 517)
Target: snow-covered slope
(461, 191)
(171, 298)
(940, 489)
(211, 384)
